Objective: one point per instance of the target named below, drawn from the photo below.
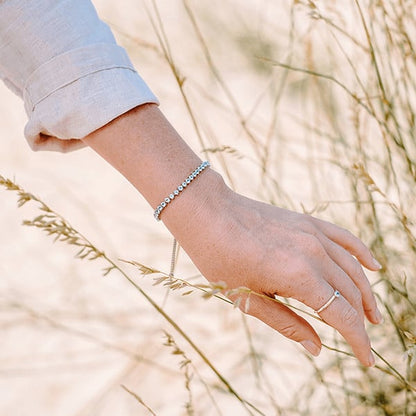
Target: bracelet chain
(179, 189)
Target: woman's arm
(244, 242)
(74, 79)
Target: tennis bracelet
(179, 189)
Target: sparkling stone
(163, 204)
(180, 188)
(171, 196)
(176, 192)
(184, 184)
(191, 176)
(167, 200)
(188, 181)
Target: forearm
(146, 149)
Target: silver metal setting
(330, 300)
(180, 189)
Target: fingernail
(379, 317)
(311, 347)
(377, 264)
(371, 360)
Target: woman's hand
(243, 242)
(274, 251)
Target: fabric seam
(33, 105)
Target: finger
(355, 272)
(325, 271)
(338, 279)
(341, 315)
(350, 243)
(285, 321)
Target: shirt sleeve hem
(69, 67)
(78, 92)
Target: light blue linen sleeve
(66, 65)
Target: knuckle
(358, 271)
(302, 268)
(289, 330)
(297, 263)
(350, 317)
(309, 226)
(303, 280)
(357, 297)
(361, 279)
(313, 246)
(347, 234)
(354, 241)
(369, 309)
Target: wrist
(198, 208)
(180, 188)
(144, 147)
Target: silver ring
(330, 300)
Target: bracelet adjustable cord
(180, 189)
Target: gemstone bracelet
(179, 189)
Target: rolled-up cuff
(78, 92)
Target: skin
(244, 242)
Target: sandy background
(70, 337)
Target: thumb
(285, 321)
